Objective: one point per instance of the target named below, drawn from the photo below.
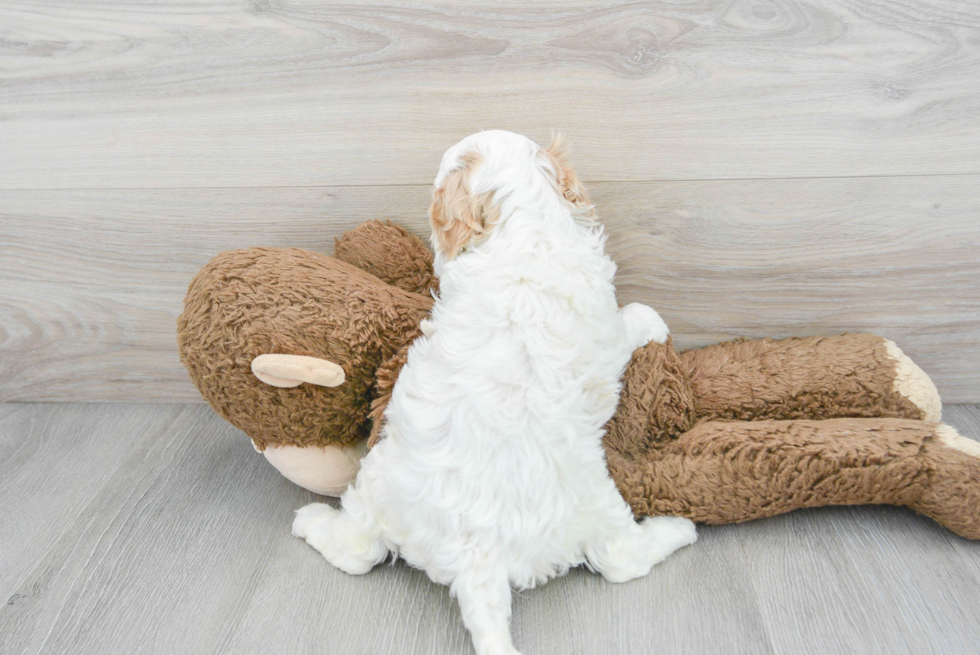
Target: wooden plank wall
(764, 168)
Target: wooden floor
(131, 528)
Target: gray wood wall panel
(765, 168)
(276, 93)
(91, 281)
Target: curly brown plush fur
(670, 455)
(245, 303)
(728, 433)
(391, 254)
(811, 377)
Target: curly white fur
(491, 473)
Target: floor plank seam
(418, 185)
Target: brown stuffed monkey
(301, 352)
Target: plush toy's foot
(953, 495)
(326, 471)
(912, 383)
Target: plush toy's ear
(288, 371)
(566, 179)
(390, 253)
(458, 216)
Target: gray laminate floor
(157, 529)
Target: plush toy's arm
(390, 253)
(401, 259)
(656, 405)
(727, 472)
(386, 377)
(849, 375)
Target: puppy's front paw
(643, 324)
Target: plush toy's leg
(389, 252)
(384, 386)
(727, 472)
(849, 375)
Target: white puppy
(491, 472)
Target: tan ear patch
(458, 216)
(569, 184)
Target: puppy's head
(481, 170)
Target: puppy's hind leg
(484, 599)
(624, 549)
(350, 543)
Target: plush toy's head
(259, 301)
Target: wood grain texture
(966, 418)
(283, 93)
(91, 281)
(172, 536)
(54, 461)
(837, 575)
(579, 613)
(138, 567)
(898, 257)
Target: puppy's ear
(457, 216)
(570, 187)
